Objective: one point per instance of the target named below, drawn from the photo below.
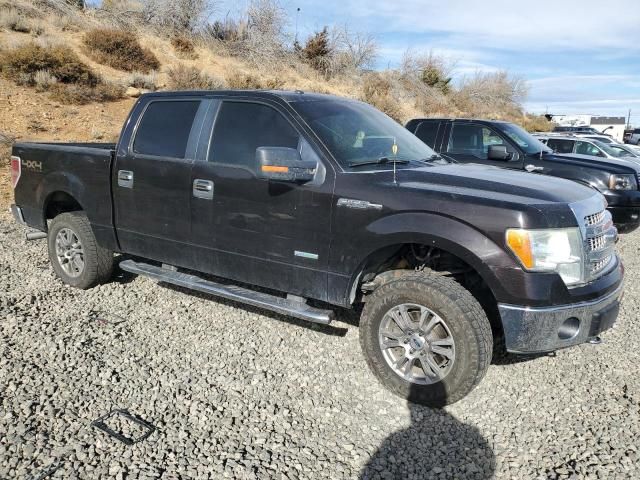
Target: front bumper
(544, 329)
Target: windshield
(602, 139)
(356, 133)
(606, 148)
(528, 143)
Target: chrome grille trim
(598, 236)
(593, 219)
(599, 244)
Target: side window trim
(194, 133)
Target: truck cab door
(469, 143)
(151, 180)
(253, 230)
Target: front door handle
(125, 178)
(533, 168)
(203, 189)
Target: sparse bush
(146, 81)
(536, 123)
(177, 15)
(190, 78)
(495, 94)
(184, 46)
(266, 38)
(351, 51)
(245, 81)
(59, 71)
(61, 62)
(377, 90)
(82, 94)
(43, 80)
(228, 30)
(119, 49)
(317, 51)
(12, 19)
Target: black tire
(465, 318)
(98, 261)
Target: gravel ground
(235, 392)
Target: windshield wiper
(378, 161)
(433, 158)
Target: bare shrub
(184, 47)
(377, 90)
(145, 81)
(119, 49)
(266, 38)
(433, 70)
(177, 15)
(317, 51)
(61, 62)
(82, 94)
(44, 80)
(351, 51)
(536, 123)
(183, 77)
(59, 71)
(491, 94)
(246, 81)
(228, 30)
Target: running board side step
(293, 308)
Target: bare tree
(352, 50)
(183, 16)
(491, 92)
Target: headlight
(554, 250)
(622, 182)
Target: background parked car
(581, 146)
(632, 136)
(505, 145)
(581, 129)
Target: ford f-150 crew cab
(506, 145)
(286, 197)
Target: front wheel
(74, 253)
(426, 338)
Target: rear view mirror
(284, 165)
(498, 152)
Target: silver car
(571, 144)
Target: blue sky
(577, 56)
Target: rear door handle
(125, 178)
(533, 168)
(203, 189)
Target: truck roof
(441, 119)
(286, 95)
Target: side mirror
(498, 152)
(283, 164)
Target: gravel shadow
(435, 445)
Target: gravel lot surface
(240, 393)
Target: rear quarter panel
(80, 170)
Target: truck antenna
(394, 149)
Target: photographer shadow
(436, 445)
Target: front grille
(599, 243)
(594, 219)
(597, 267)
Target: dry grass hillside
(72, 74)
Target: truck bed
(81, 169)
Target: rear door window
(427, 131)
(242, 127)
(586, 148)
(165, 128)
(560, 146)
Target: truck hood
(494, 184)
(611, 165)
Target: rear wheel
(426, 338)
(75, 255)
